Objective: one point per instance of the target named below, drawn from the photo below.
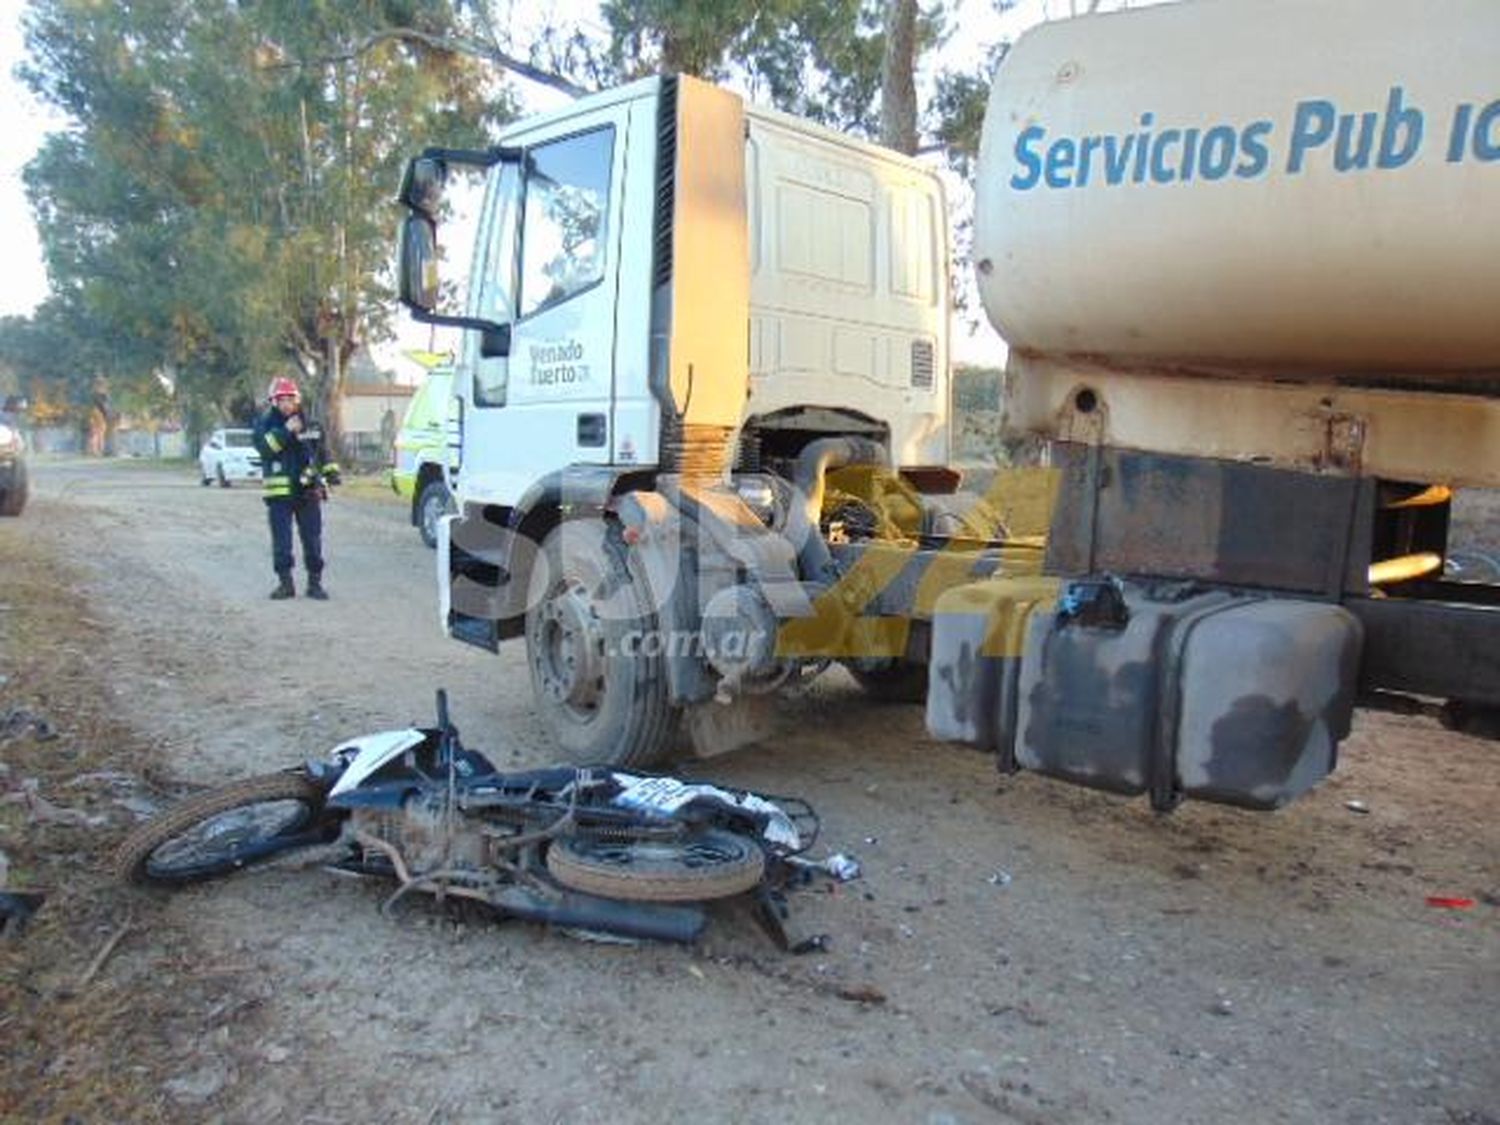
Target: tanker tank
(1265, 189)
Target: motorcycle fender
(370, 753)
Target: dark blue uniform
(295, 471)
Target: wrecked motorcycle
(590, 849)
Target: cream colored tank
(1269, 185)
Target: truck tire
(597, 675)
(13, 499)
(433, 503)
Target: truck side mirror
(495, 342)
(423, 192)
(418, 268)
(422, 186)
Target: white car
(228, 456)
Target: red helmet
(283, 387)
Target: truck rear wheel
(598, 671)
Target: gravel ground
(1017, 951)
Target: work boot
(315, 589)
(284, 589)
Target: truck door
(549, 252)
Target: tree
(898, 85)
(819, 59)
(222, 204)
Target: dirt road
(1018, 951)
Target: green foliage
(976, 388)
(956, 115)
(222, 206)
(819, 59)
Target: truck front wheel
(598, 669)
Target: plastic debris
(664, 796)
(1357, 807)
(839, 866)
(1450, 902)
(1001, 878)
(843, 867)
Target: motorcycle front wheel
(705, 865)
(225, 829)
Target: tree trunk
(898, 85)
(333, 400)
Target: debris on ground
(818, 943)
(861, 994)
(840, 866)
(16, 909)
(1357, 807)
(16, 721)
(43, 811)
(1450, 902)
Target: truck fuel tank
(1171, 689)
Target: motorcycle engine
(419, 832)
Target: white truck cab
(625, 303)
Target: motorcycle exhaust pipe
(652, 920)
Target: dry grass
(80, 1046)
(373, 484)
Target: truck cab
(622, 279)
(669, 285)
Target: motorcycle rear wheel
(706, 865)
(225, 829)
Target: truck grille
(666, 182)
(921, 364)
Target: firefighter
(296, 474)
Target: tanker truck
(1245, 256)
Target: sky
(23, 283)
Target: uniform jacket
(292, 465)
